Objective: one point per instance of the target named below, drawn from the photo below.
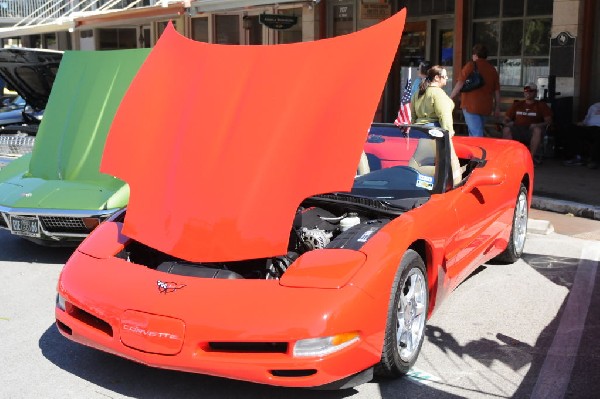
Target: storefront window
(488, 33)
(114, 39)
(486, 8)
(417, 8)
(293, 34)
(412, 48)
(518, 38)
(512, 8)
(227, 29)
(200, 29)
(11, 42)
(537, 37)
(512, 37)
(540, 7)
(50, 41)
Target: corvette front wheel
(407, 313)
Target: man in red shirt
(527, 120)
(477, 105)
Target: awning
(225, 5)
(61, 26)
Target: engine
(313, 228)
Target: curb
(566, 207)
(539, 226)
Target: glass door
(443, 48)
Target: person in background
(586, 136)
(477, 105)
(432, 106)
(527, 120)
(421, 74)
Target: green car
(56, 195)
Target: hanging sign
(375, 9)
(276, 21)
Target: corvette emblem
(166, 287)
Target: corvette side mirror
(484, 177)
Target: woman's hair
(432, 72)
(480, 51)
(424, 67)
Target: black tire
(397, 357)
(518, 232)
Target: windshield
(402, 163)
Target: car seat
(423, 159)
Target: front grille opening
(63, 224)
(91, 320)
(64, 328)
(294, 373)
(248, 347)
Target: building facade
(554, 43)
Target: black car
(31, 73)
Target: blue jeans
(475, 123)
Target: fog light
(324, 346)
(61, 303)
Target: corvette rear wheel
(405, 328)
(516, 241)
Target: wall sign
(277, 21)
(562, 55)
(375, 9)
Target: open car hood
(88, 90)
(255, 130)
(30, 72)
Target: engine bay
(317, 225)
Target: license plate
(25, 226)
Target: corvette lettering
(148, 333)
(166, 287)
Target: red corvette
(256, 251)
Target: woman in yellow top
(431, 106)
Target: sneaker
(577, 161)
(592, 165)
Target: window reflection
(534, 68)
(227, 29)
(487, 33)
(486, 8)
(200, 29)
(537, 36)
(512, 37)
(293, 34)
(517, 34)
(540, 7)
(510, 72)
(512, 8)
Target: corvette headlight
(324, 346)
(61, 302)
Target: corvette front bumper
(239, 329)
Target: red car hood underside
(220, 144)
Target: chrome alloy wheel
(411, 314)
(520, 223)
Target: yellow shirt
(433, 106)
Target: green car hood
(63, 169)
(36, 193)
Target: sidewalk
(567, 189)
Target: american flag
(404, 116)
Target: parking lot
(509, 331)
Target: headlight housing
(318, 347)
